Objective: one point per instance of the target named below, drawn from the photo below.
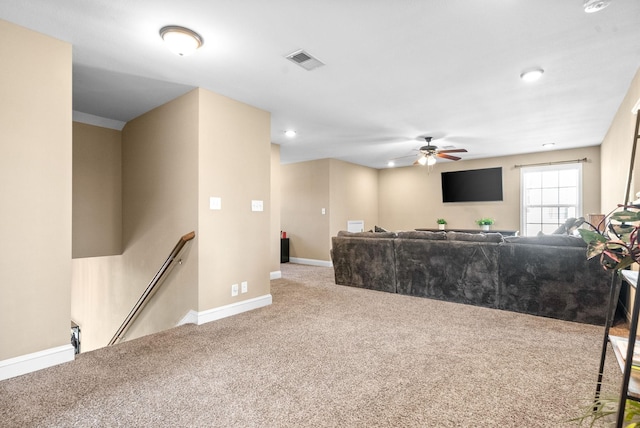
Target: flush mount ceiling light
(290, 133)
(591, 6)
(532, 74)
(181, 41)
(391, 163)
(548, 145)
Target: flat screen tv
(476, 185)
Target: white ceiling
(396, 70)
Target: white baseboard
(311, 262)
(275, 275)
(28, 363)
(214, 314)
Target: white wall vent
(304, 60)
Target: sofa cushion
(345, 234)
(475, 237)
(455, 271)
(554, 240)
(417, 234)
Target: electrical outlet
(234, 290)
(244, 287)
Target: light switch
(215, 203)
(256, 206)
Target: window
(549, 195)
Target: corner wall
(344, 190)
(159, 179)
(35, 187)
(276, 201)
(305, 191)
(234, 164)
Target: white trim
(311, 262)
(190, 318)
(555, 167)
(199, 318)
(275, 275)
(28, 363)
(102, 122)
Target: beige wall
(616, 156)
(346, 191)
(353, 195)
(97, 191)
(274, 212)
(235, 165)
(411, 197)
(616, 152)
(404, 198)
(305, 191)
(35, 187)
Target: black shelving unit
(630, 388)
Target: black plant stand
(630, 388)
(284, 250)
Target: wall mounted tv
(476, 185)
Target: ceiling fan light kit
(429, 154)
(591, 6)
(180, 40)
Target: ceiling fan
(429, 153)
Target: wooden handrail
(151, 288)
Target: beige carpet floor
(324, 355)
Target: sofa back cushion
(553, 240)
(475, 237)
(418, 234)
(345, 234)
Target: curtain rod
(552, 163)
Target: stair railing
(151, 288)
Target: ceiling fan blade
(453, 151)
(441, 155)
(402, 157)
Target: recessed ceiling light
(532, 74)
(548, 145)
(591, 6)
(391, 163)
(181, 41)
(290, 133)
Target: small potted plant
(441, 223)
(484, 223)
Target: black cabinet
(284, 250)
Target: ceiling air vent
(304, 60)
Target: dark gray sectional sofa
(546, 276)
